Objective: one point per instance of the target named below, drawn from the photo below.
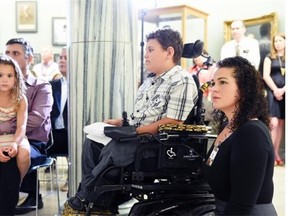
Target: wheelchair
(170, 180)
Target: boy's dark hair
(168, 37)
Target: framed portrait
(56, 58)
(59, 26)
(36, 58)
(254, 25)
(26, 16)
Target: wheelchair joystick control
(125, 121)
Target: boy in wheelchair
(167, 96)
(165, 177)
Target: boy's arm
(153, 128)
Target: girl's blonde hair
(20, 88)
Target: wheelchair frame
(178, 186)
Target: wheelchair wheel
(204, 207)
(203, 210)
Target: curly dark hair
(251, 103)
(168, 37)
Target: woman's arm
(250, 155)
(278, 92)
(266, 74)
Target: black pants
(95, 160)
(60, 143)
(38, 156)
(9, 187)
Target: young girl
(13, 107)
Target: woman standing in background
(274, 76)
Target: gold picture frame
(26, 16)
(253, 25)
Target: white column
(102, 68)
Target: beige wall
(46, 10)
(218, 10)
(221, 10)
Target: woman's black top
(242, 171)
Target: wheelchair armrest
(121, 134)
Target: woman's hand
(278, 93)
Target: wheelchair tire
(203, 210)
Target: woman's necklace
(226, 135)
(281, 68)
(216, 147)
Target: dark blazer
(60, 136)
(55, 113)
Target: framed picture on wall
(59, 27)
(26, 16)
(36, 58)
(56, 58)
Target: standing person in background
(204, 72)
(40, 100)
(47, 70)
(59, 112)
(240, 163)
(241, 45)
(264, 43)
(274, 76)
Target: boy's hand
(116, 122)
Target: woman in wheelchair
(167, 96)
(240, 163)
